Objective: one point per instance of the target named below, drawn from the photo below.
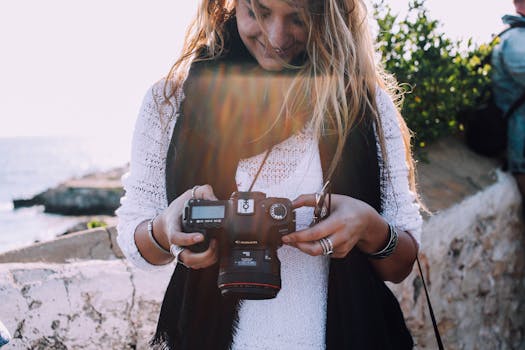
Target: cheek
(248, 28)
(300, 35)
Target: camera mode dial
(278, 211)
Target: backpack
(486, 124)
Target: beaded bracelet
(389, 248)
(153, 240)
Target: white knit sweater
(295, 319)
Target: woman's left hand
(347, 226)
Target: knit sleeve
(399, 204)
(144, 184)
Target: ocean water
(30, 165)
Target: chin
(272, 64)
(277, 66)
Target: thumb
(205, 192)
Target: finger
(303, 200)
(340, 242)
(311, 248)
(199, 260)
(338, 255)
(314, 233)
(187, 195)
(210, 259)
(315, 248)
(186, 239)
(292, 245)
(207, 263)
(343, 242)
(205, 192)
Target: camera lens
(250, 273)
(278, 211)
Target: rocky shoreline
(93, 194)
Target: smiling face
(277, 37)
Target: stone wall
(473, 259)
(474, 263)
(82, 305)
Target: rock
(71, 200)
(91, 222)
(29, 202)
(93, 194)
(80, 226)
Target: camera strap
(434, 323)
(260, 167)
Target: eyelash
(297, 21)
(252, 14)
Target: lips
(270, 52)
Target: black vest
(362, 313)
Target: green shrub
(440, 77)
(96, 223)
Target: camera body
(248, 228)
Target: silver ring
(327, 245)
(175, 251)
(193, 191)
(330, 245)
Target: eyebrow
(261, 6)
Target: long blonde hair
(340, 53)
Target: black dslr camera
(248, 227)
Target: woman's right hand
(170, 225)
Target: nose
(279, 35)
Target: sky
(78, 67)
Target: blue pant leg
(516, 141)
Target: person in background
(314, 106)
(508, 79)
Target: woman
(334, 122)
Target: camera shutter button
(278, 211)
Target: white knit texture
(295, 319)
(144, 184)
(398, 202)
